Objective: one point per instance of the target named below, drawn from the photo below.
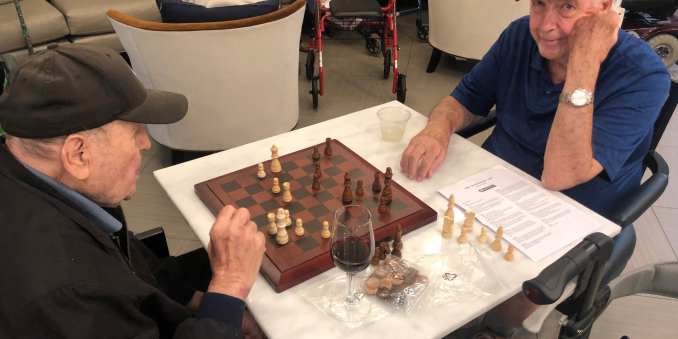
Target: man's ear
(76, 156)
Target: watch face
(578, 98)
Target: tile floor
(353, 82)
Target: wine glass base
(353, 309)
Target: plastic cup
(393, 121)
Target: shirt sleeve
(622, 121)
(224, 308)
(477, 91)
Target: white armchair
(468, 28)
(240, 76)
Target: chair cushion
(180, 11)
(44, 23)
(86, 17)
(355, 8)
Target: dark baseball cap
(70, 88)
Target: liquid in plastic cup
(393, 121)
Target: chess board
(306, 256)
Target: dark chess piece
(398, 242)
(317, 171)
(385, 249)
(359, 191)
(347, 197)
(387, 194)
(347, 179)
(387, 176)
(383, 207)
(316, 183)
(328, 147)
(376, 185)
(316, 155)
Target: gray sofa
(66, 21)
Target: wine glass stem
(349, 296)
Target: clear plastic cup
(393, 122)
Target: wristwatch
(579, 97)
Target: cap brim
(160, 107)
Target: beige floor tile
(670, 196)
(670, 136)
(668, 219)
(652, 245)
(638, 317)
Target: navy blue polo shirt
(631, 89)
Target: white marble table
(288, 315)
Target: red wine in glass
(351, 254)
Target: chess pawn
(463, 237)
(325, 233)
(317, 170)
(347, 196)
(482, 238)
(260, 171)
(288, 219)
(276, 186)
(359, 191)
(272, 226)
(469, 218)
(509, 253)
(496, 244)
(447, 227)
(275, 163)
(316, 183)
(316, 155)
(287, 194)
(376, 184)
(281, 236)
(299, 229)
(328, 147)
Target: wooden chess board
(306, 256)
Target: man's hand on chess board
(235, 251)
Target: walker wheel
(401, 89)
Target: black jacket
(61, 276)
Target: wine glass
(352, 248)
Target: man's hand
(425, 152)
(594, 35)
(235, 250)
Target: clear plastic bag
(458, 274)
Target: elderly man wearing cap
(74, 120)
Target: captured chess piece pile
(279, 220)
(466, 230)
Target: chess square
(261, 220)
(305, 181)
(246, 202)
(270, 205)
(295, 207)
(356, 173)
(307, 243)
(253, 189)
(319, 211)
(230, 186)
(338, 159)
(262, 196)
(284, 177)
(327, 183)
(300, 193)
(256, 210)
(296, 173)
(310, 168)
(313, 226)
(324, 196)
(289, 165)
(332, 171)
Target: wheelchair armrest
(478, 126)
(549, 285)
(647, 193)
(155, 240)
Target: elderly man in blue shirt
(576, 99)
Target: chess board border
(281, 281)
